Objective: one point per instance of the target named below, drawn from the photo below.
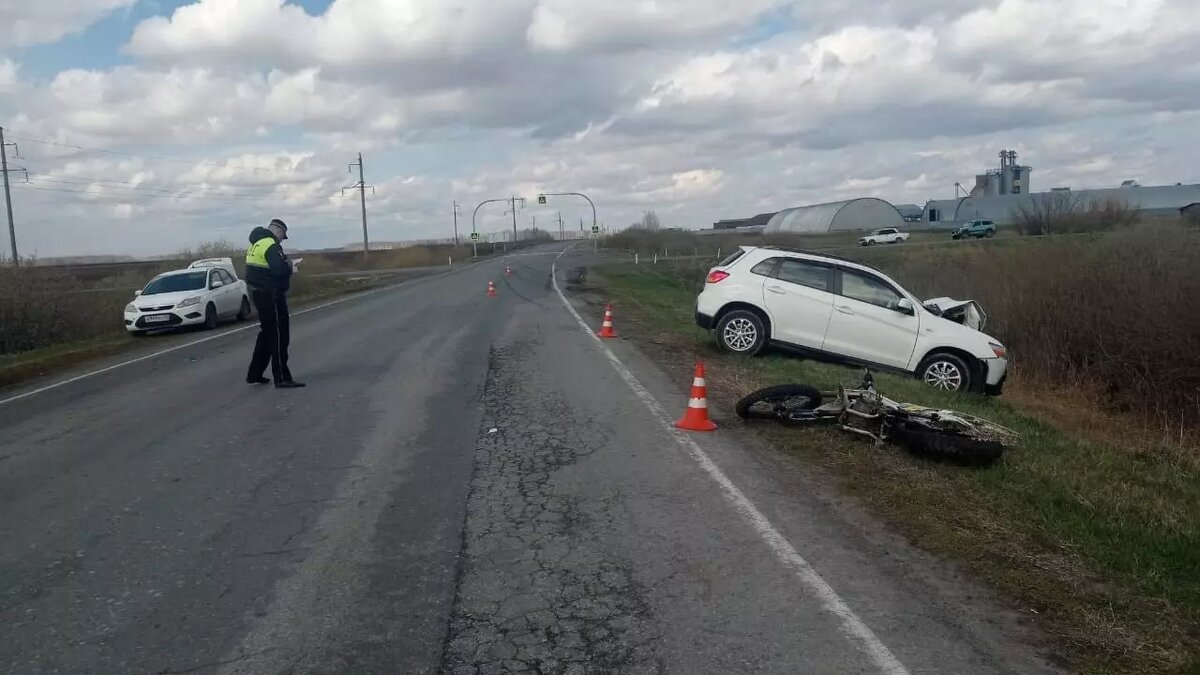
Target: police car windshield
(174, 283)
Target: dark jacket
(279, 275)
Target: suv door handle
(776, 290)
(844, 309)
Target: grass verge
(24, 366)
(1098, 545)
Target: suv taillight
(716, 277)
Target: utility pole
(514, 215)
(362, 193)
(561, 234)
(456, 223)
(12, 230)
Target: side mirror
(905, 306)
(136, 293)
(216, 284)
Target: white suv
(846, 311)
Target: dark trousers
(274, 335)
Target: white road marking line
(185, 345)
(851, 625)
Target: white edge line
(851, 625)
(185, 345)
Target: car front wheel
(210, 317)
(742, 332)
(947, 372)
(244, 311)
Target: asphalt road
(467, 485)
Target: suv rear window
(732, 258)
(765, 268)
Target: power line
(88, 180)
(119, 153)
(136, 194)
(182, 192)
(20, 186)
(41, 178)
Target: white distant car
(206, 293)
(848, 312)
(887, 235)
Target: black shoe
(257, 380)
(289, 384)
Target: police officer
(269, 276)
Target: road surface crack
(537, 590)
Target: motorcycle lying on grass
(864, 411)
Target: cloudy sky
(148, 126)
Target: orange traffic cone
(696, 416)
(606, 330)
(508, 271)
(491, 290)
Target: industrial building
(1000, 196)
(1162, 200)
(1010, 179)
(865, 213)
(757, 221)
(910, 212)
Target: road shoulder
(907, 596)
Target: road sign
(474, 236)
(595, 229)
(541, 199)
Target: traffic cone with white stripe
(606, 329)
(508, 271)
(696, 416)
(491, 290)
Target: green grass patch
(1097, 543)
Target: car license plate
(158, 318)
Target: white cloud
(863, 185)
(9, 76)
(23, 24)
(189, 105)
(1079, 35)
(564, 25)
(351, 33)
(698, 109)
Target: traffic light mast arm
(476, 212)
(542, 200)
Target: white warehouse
(867, 213)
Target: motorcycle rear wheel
(778, 402)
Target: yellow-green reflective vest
(256, 255)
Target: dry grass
(1097, 542)
(1115, 316)
(39, 308)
